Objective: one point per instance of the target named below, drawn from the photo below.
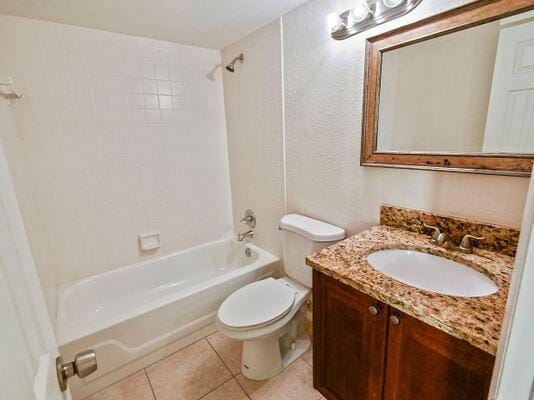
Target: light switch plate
(149, 241)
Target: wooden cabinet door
(424, 363)
(349, 342)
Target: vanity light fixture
(360, 11)
(334, 22)
(367, 14)
(392, 3)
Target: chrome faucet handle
(466, 246)
(436, 233)
(249, 219)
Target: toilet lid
(257, 304)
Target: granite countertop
(477, 320)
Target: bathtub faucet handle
(249, 219)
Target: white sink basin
(432, 273)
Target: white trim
(527, 236)
(25, 293)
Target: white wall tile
(101, 152)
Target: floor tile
(229, 350)
(295, 383)
(229, 391)
(134, 387)
(188, 374)
(308, 356)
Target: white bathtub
(135, 315)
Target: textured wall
(323, 81)
(253, 101)
(119, 135)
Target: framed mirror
(454, 92)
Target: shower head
(231, 67)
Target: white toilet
(268, 315)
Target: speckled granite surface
(477, 320)
(496, 237)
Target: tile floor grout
(233, 378)
(214, 389)
(218, 355)
(114, 383)
(150, 384)
(227, 367)
(306, 361)
(167, 356)
(241, 386)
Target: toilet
(268, 315)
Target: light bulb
(392, 3)
(334, 22)
(360, 11)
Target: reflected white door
(28, 346)
(510, 121)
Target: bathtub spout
(247, 234)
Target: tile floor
(210, 370)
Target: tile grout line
(112, 384)
(231, 373)
(201, 339)
(150, 384)
(306, 361)
(214, 389)
(167, 356)
(150, 365)
(241, 386)
(220, 358)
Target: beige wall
(116, 136)
(323, 81)
(253, 101)
(322, 86)
(439, 94)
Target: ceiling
(206, 23)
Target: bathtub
(138, 314)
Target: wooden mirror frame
(464, 17)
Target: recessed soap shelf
(149, 241)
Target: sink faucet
(247, 234)
(442, 239)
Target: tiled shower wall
(253, 99)
(13, 147)
(117, 135)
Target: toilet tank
(303, 236)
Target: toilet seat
(257, 304)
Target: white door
(28, 347)
(510, 121)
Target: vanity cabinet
(349, 341)
(365, 350)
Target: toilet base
(265, 358)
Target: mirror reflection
(470, 91)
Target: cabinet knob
(395, 320)
(374, 310)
